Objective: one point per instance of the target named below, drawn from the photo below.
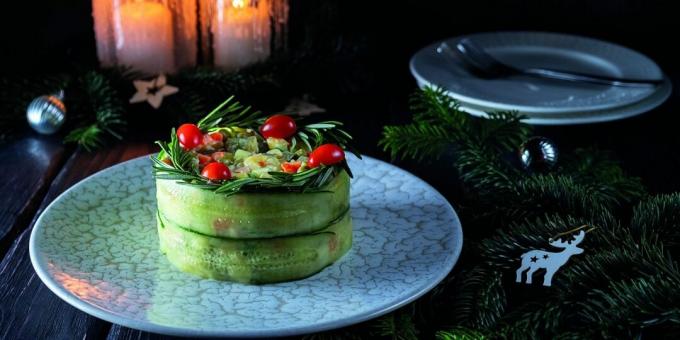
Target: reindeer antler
(571, 243)
(578, 238)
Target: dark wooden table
(36, 169)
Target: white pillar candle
(241, 34)
(144, 38)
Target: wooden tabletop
(36, 169)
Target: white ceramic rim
(40, 265)
(527, 109)
(588, 117)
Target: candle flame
(238, 3)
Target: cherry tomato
(312, 162)
(204, 159)
(278, 126)
(216, 171)
(189, 135)
(216, 136)
(290, 167)
(326, 154)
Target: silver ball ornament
(46, 114)
(538, 154)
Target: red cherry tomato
(278, 126)
(204, 159)
(216, 136)
(216, 171)
(189, 135)
(326, 154)
(290, 167)
(312, 162)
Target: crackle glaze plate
(96, 247)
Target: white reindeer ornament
(537, 259)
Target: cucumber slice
(252, 215)
(254, 261)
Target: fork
(485, 65)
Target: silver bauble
(538, 154)
(46, 114)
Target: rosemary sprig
(326, 132)
(230, 113)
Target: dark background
(47, 36)
(366, 85)
(44, 34)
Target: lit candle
(144, 37)
(241, 34)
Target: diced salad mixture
(235, 152)
(249, 155)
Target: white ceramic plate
(535, 95)
(96, 247)
(657, 98)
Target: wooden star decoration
(152, 91)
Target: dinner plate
(657, 98)
(536, 95)
(96, 247)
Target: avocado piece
(248, 143)
(240, 155)
(276, 153)
(277, 143)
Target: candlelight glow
(238, 3)
(150, 36)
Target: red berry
(216, 171)
(216, 136)
(278, 126)
(290, 167)
(204, 159)
(312, 162)
(326, 154)
(189, 135)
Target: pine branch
(485, 173)
(87, 136)
(102, 100)
(418, 140)
(433, 105)
(502, 130)
(460, 333)
(621, 266)
(657, 221)
(200, 85)
(596, 169)
(479, 300)
(550, 193)
(537, 319)
(612, 264)
(636, 306)
(396, 326)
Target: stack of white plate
(546, 101)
